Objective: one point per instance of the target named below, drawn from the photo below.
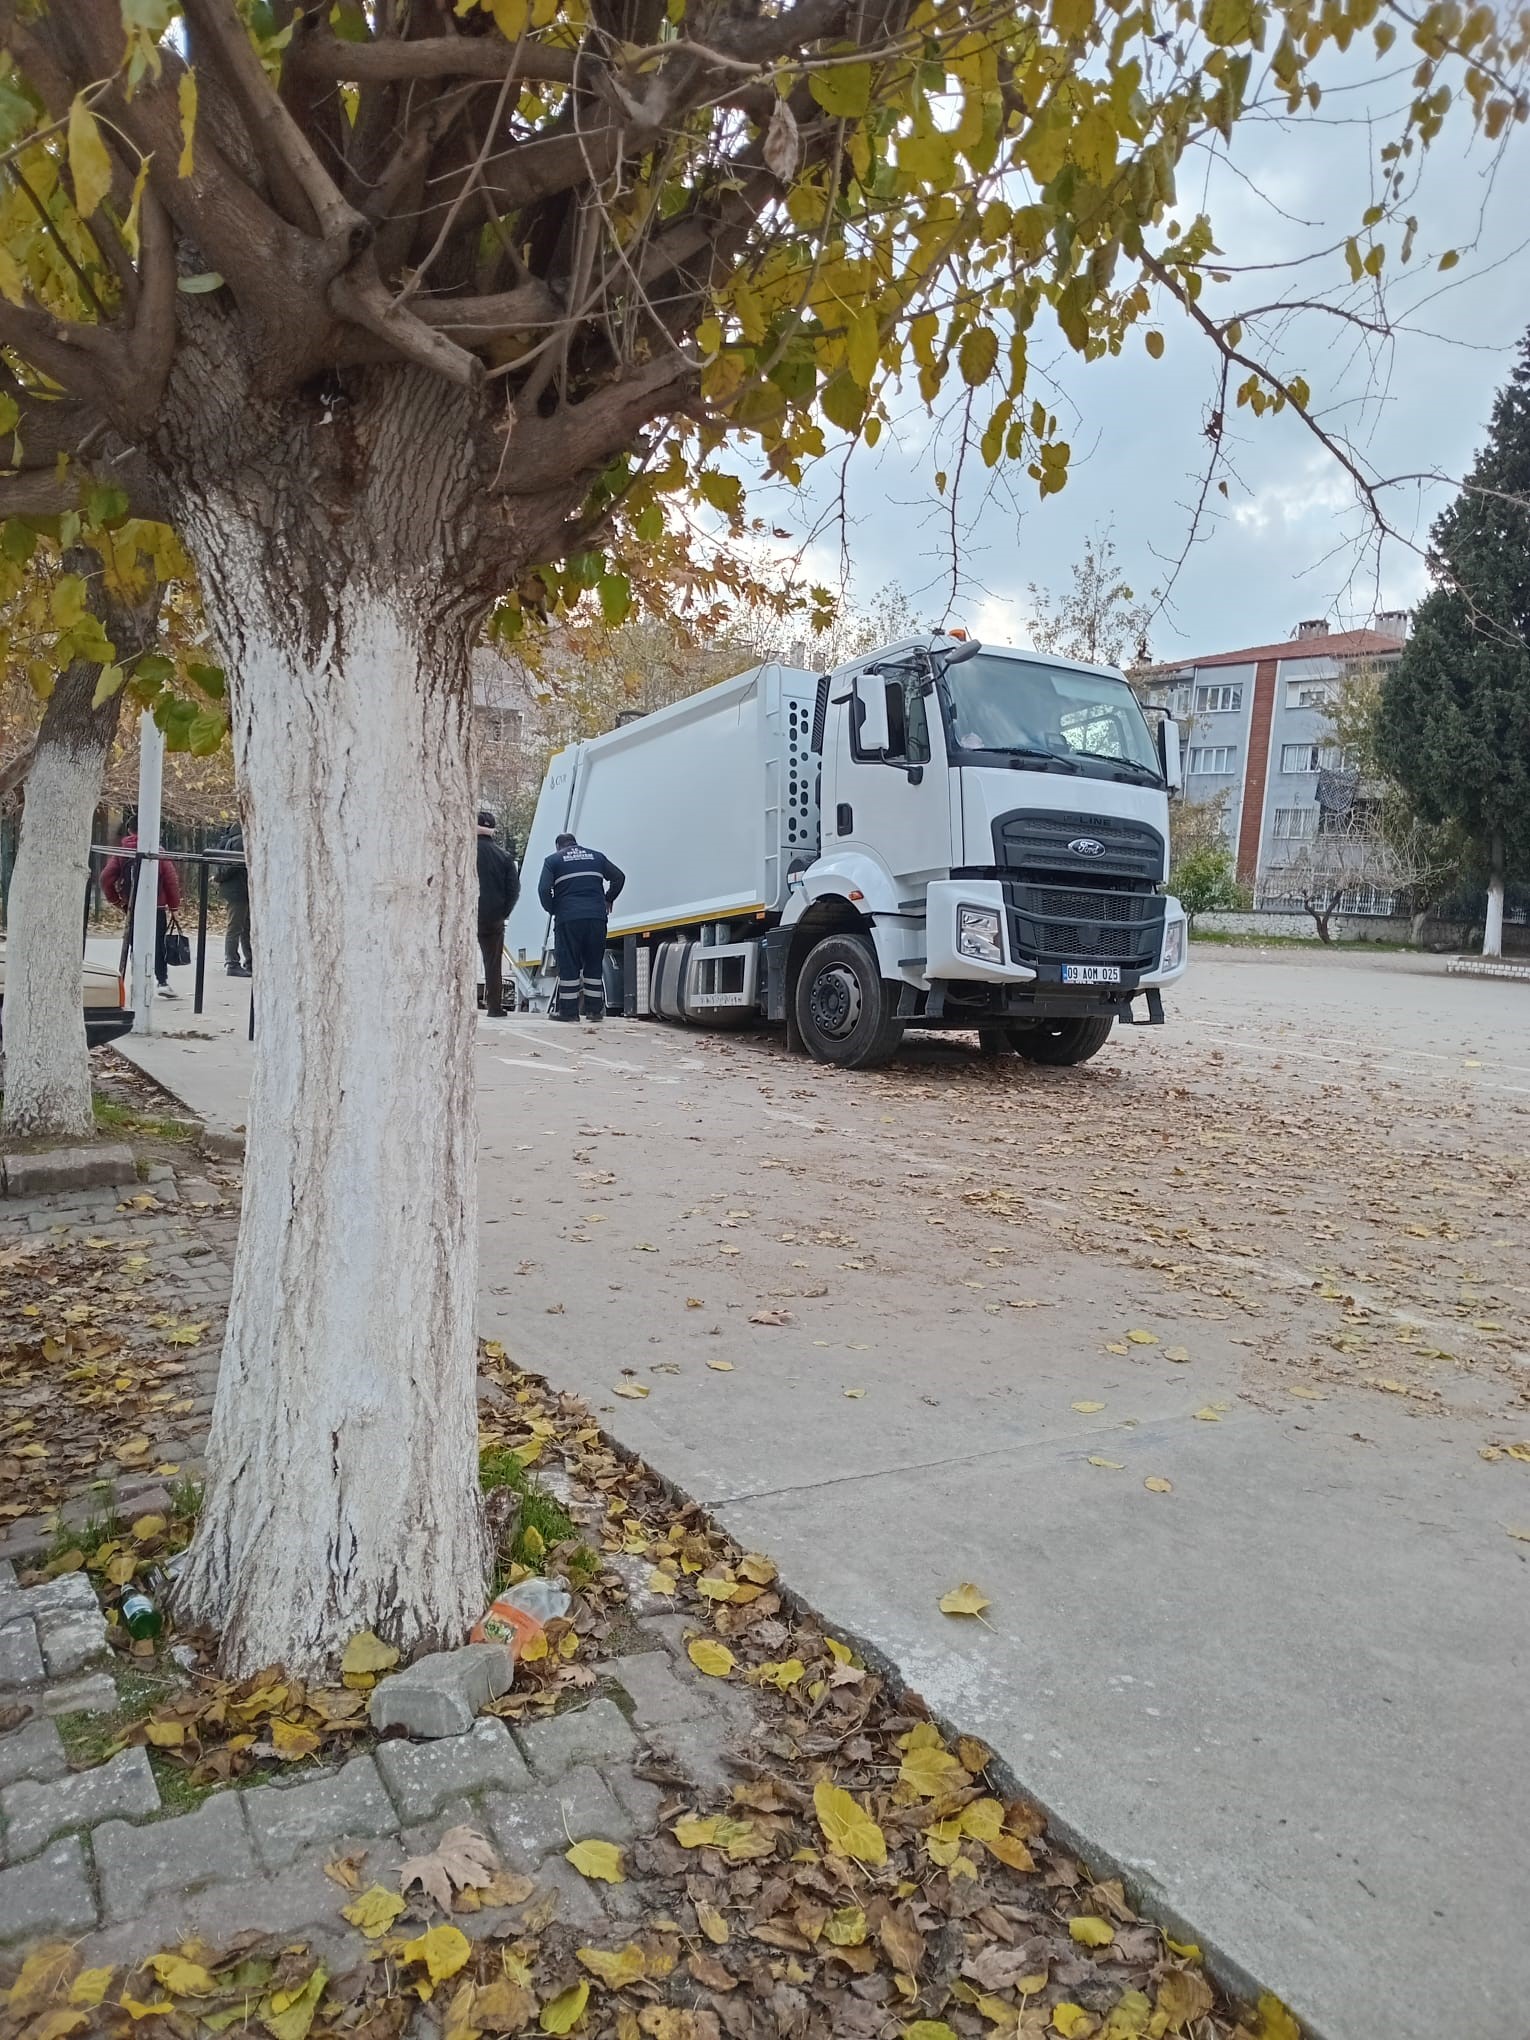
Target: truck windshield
(1089, 722)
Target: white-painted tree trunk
(342, 1467)
(47, 1064)
(1492, 927)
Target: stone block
(596, 1733)
(82, 1168)
(70, 1594)
(72, 1641)
(695, 1752)
(7, 1573)
(32, 1751)
(140, 1867)
(439, 1695)
(422, 1776)
(93, 1694)
(658, 1696)
(35, 1811)
(579, 1808)
(578, 1902)
(639, 1799)
(49, 1895)
(286, 1819)
(20, 1659)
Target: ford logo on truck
(1086, 846)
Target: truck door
(894, 790)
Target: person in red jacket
(117, 884)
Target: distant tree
(1428, 858)
(1454, 721)
(1205, 881)
(1098, 619)
(1196, 825)
(1355, 857)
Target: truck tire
(1062, 1042)
(843, 1007)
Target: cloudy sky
(1288, 542)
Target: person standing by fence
(117, 885)
(234, 884)
(499, 887)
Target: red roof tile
(1335, 644)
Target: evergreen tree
(1454, 727)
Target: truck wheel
(1062, 1041)
(843, 1007)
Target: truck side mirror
(1169, 754)
(871, 736)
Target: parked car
(107, 1012)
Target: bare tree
(1098, 618)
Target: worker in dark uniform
(578, 888)
(499, 887)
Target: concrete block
(579, 1808)
(36, 1811)
(594, 1734)
(658, 1696)
(93, 1694)
(20, 1659)
(696, 1752)
(141, 1866)
(49, 1895)
(82, 1168)
(639, 1799)
(34, 1750)
(286, 1819)
(439, 1695)
(71, 1641)
(422, 1776)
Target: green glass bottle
(140, 1617)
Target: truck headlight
(977, 934)
(1173, 946)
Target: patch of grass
(101, 1526)
(1227, 939)
(177, 1792)
(117, 1118)
(90, 1738)
(542, 1516)
(186, 1500)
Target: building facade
(1258, 735)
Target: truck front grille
(1062, 924)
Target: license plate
(1091, 973)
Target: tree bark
(47, 1063)
(1492, 931)
(342, 1466)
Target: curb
(1487, 967)
(51, 1169)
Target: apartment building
(1258, 731)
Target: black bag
(177, 947)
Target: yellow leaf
(292, 1740)
(1157, 1485)
(134, 1448)
(710, 1656)
(848, 1828)
(375, 1911)
(1208, 1415)
(165, 1735)
(928, 2029)
(616, 1968)
(600, 1861)
(148, 1526)
(840, 1652)
(717, 1590)
(928, 1773)
(1141, 1338)
(89, 164)
(846, 1928)
(182, 1978)
(136, 2009)
(443, 1950)
(1275, 2022)
(634, 1392)
(1115, 1465)
(90, 1986)
(122, 1568)
(186, 99)
(288, 2014)
(40, 1977)
(1090, 1931)
(1187, 1951)
(1073, 2022)
(983, 1820)
(661, 1582)
(1152, 339)
(562, 2013)
(964, 1600)
(713, 1925)
(1087, 1409)
(757, 1569)
(1183, 1996)
(784, 1675)
(721, 1366)
(57, 2024)
(1011, 1850)
(365, 1656)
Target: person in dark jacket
(117, 884)
(499, 887)
(578, 887)
(234, 883)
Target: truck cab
(940, 834)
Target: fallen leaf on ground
(288, 2014)
(443, 1950)
(1090, 1931)
(770, 1317)
(1208, 1415)
(375, 1911)
(182, 1978)
(365, 1656)
(90, 1986)
(1073, 2022)
(710, 1656)
(1182, 1997)
(964, 1600)
(562, 2013)
(1178, 1354)
(1157, 1485)
(1116, 1465)
(462, 1860)
(1142, 1338)
(634, 1392)
(854, 1394)
(847, 1827)
(599, 1861)
(711, 1923)
(615, 1967)
(721, 1366)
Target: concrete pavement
(1285, 1691)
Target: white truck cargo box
(704, 805)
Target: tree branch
(580, 438)
(390, 60)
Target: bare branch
(579, 438)
(385, 61)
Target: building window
(1293, 822)
(1216, 700)
(1318, 758)
(1212, 757)
(1311, 693)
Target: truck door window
(908, 726)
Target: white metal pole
(151, 771)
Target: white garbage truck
(940, 834)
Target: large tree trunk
(47, 1064)
(1492, 932)
(342, 1468)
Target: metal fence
(206, 862)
